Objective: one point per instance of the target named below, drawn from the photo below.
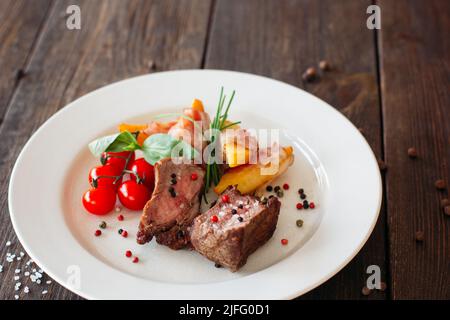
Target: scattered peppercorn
(128, 253)
(120, 217)
(120, 231)
(300, 191)
(97, 233)
(240, 219)
(225, 198)
(382, 165)
(284, 242)
(303, 196)
(214, 218)
(217, 265)
(447, 210)
(173, 175)
(240, 206)
(440, 184)
(280, 193)
(412, 152)
(173, 181)
(180, 234)
(135, 260)
(269, 188)
(276, 189)
(419, 236)
(124, 233)
(263, 200)
(324, 65)
(233, 211)
(102, 225)
(171, 189)
(309, 74)
(444, 203)
(299, 206)
(299, 223)
(305, 204)
(285, 186)
(194, 176)
(312, 205)
(366, 291)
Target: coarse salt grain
(17, 271)
(16, 278)
(16, 297)
(26, 289)
(38, 281)
(48, 282)
(8, 243)
(21, 253)
(26, 273)
(1, 268)
(44, 292)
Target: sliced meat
(243, 225)
(174, 204)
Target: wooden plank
(280, 39)
(20, 22)
(116, 41)
(415, 55)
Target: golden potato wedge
(248, 177)
(236, 155)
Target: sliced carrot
(198, 105)
(132, 127)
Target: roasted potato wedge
(248, 177)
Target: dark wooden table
(392, 83)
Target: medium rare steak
(174, 204)
(232, 230)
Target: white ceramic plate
(334, 164)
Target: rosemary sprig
(218, 124)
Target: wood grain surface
(392, 83)
(415, 70)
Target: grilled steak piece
(174, 204)
(243, 224)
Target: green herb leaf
(123, 141)
(160, 146)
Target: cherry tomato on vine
(118, 159)
(99, 201)
(133, 195)
(99, 174)
(145, 171)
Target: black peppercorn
(240, 219)
(233, 211)
(269, 188)
(303, 196)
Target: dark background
(392, 83)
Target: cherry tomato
(99, 201)
(102, 182)
(145, 172)
(118, 159)
(133, 195)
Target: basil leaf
(160, 146)
(118, 142)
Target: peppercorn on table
(392, 83)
